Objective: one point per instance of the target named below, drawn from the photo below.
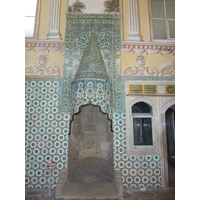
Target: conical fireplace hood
(92, 65)
(91, 84)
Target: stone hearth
(90, 173)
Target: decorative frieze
(148, 47)
(167, 69)
(42, 69)
(43, 45)
(140, 70)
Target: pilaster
(54, 20)
(134, 31)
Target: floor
(171, 176)
(148, 194)
(99, 190)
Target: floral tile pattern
(79, 28)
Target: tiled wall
(98, 92)
(46, 138)
(46, 132)
(47, 128)
(136, 170)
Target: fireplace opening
(90, 147)
(90, 173)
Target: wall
(44, 19)
(52, 49)
(47, 114)
(46, 132)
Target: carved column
(134, 31)
(54, 20)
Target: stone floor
(132, 194)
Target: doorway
(170, 136)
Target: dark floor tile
(164, 197)
(172, 193)
(34, 193)
(33, 198)
(149, 194)
(133, 198)
(161, 191)
(127, 195)
(146, 198)
(146, 194)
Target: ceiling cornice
(126, 46)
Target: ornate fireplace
(90, 173)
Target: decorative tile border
(78, 31)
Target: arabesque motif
(42, 70)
